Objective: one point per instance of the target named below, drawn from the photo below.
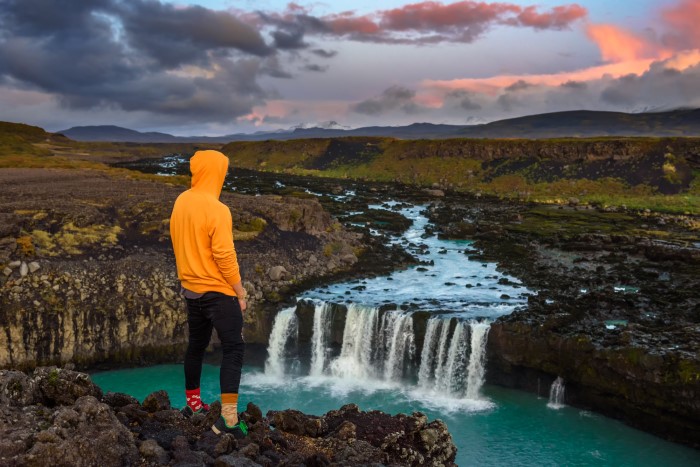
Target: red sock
(194, 401)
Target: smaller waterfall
(427, 356)
(477, 359)
(556, 394)
(319, 348)
(454, 364)
(398, 330)
(355, 360)
(284, 326)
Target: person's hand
(242, 302)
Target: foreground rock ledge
(56, 416)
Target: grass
(468, 165)
(74, 240)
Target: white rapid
(284, 326)
(556, 394)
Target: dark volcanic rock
(85, 431)
(616, 311)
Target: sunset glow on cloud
(183, 67)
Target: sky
(215, 67)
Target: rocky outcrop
(615, 312)
(59, 417)
(87, 273)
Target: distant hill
(576, 123)
(113, 133)
(116, 134)
(588, 123)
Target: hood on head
(209, 170)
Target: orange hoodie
(201, 229)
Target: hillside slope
(587, 123)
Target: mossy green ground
(605, 172)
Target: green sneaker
(239, 430)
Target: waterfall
(477, 359)
(401, 344)
(284, 326)
(355, 360)
(319, 347)
(427, 356)
(454, 364)
(381, 346)
(556, 394)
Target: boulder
(277, 273)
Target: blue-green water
(511, 428)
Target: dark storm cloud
(393, 98)
(574, 85)
(272, 67)
(174, 36)
(289, 39)
(658, 86)
(315, 67)
(463, 99)
(136, 55)
(519, 85)
(508, 102)
(324, 53)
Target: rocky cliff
(616, 313)
(57, 416)
(87, 273)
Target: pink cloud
(435, 16)
(559, 18)
(496, 84)
(429, 21)
(683, 20)
(343, 24)
(617, 44)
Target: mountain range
(576, 123)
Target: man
(202, 236)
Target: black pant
(222, 312)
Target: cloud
(560, 17)
(138, 56)
(464, 100)
(427, 22)
(315, 67)
(617, 45)
(272, 67)
(324, 53)
(519, 85)
(666, 84)
(682, 20)
(574, 85)
(392, 99)
(175, 35)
